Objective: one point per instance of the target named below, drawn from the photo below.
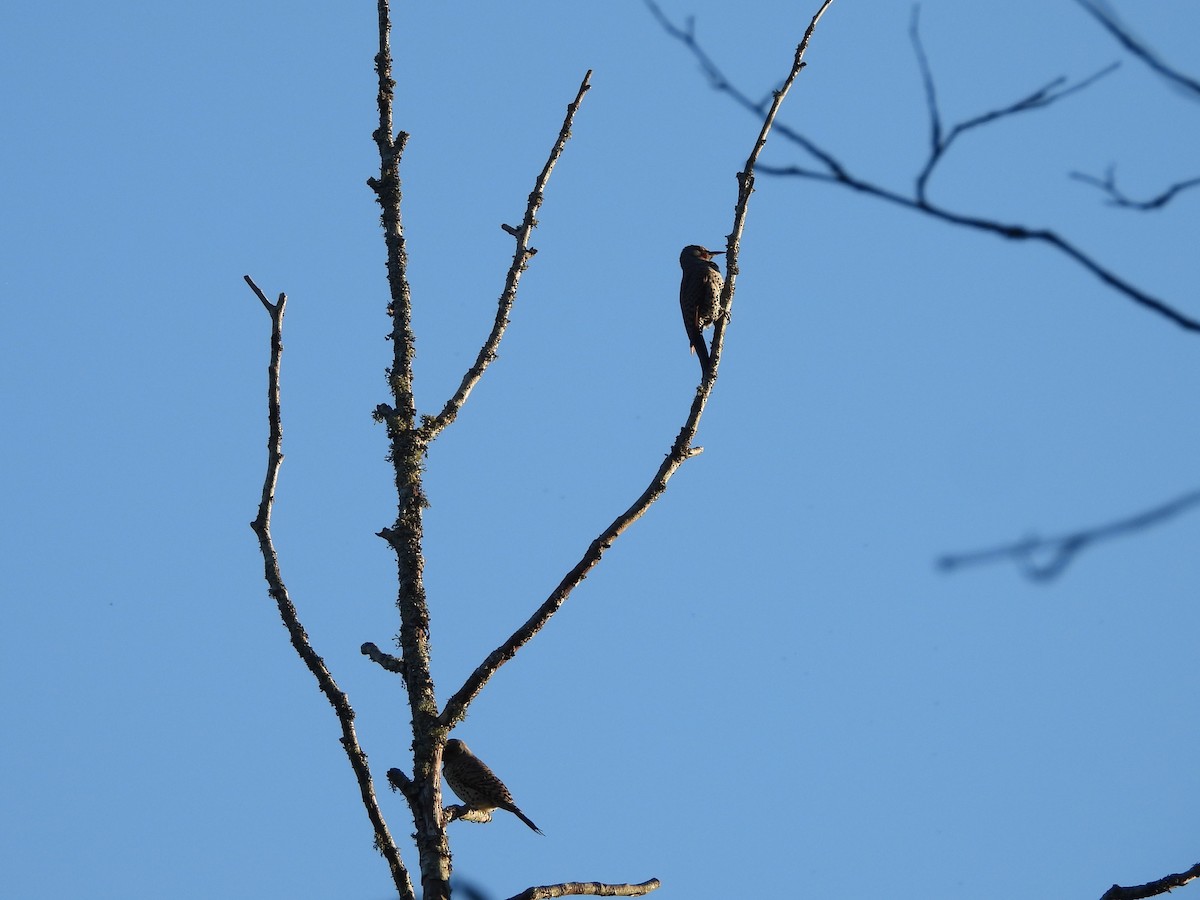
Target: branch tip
(385, 660)
(1044, 559)
(522, 253)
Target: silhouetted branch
(833, 172)
(287, 611)
(433, 425)
(1043, 559)
(588, 888)
(1042, 97)
(1104, 15)
(1012, 232)
(688, 36)
(681, 450)
(1152, 888)
(1117, 197)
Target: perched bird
(475, 783)
(699, 296)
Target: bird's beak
(715, 252)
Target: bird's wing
(691, 319)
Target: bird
(475, 784)
(699, 296)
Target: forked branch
(1117, 197)
(941, 140)
(1044, 559)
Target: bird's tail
(698, 345)
(528, 821)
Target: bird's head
(455, 747)
(695, 251)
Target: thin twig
(745, 189)
(433, 425)
(1044, 559)
(718, 82)
(835, 173)
(267, 305)
(940, 140)
(936, 144)
(1117, 197)
(1052, 91)
(1152, 888)
(681, 450)
(287, 611)
(587, 888)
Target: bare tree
(411, 435)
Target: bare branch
(1104, 15)
(833, 172)
(939, 144)
(287, 611)
(386, 660)
(688, 36)
(681, 450)
(1117, 197)
(588, 888)
(936, 145)
(1012, 232)
(1047, 94)
(1152, 888)
(1044, 559)
(745, 189)
(521, 256)
(267, 305)
(720, 83)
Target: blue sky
(767, 680)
